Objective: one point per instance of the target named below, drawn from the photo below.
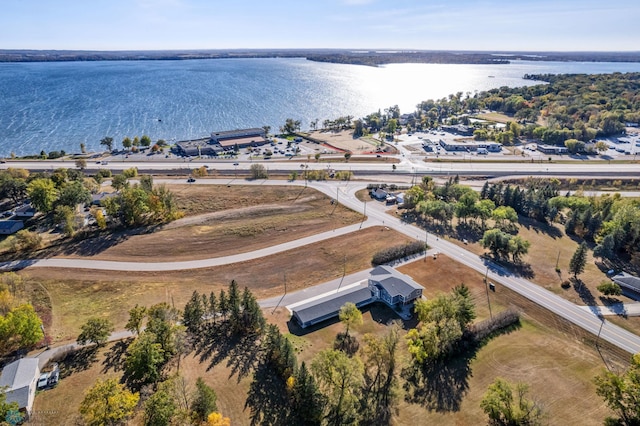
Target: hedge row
(397, 252)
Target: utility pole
(426, 245)
(344, 273)
(486, 286)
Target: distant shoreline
(352, 57)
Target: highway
(406, 165)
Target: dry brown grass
(546, 352)
(495, 116)
(236, 223)
(79, 294)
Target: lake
(58, 105)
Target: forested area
(575, 107)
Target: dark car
(191, 180)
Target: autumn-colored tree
(216, 419)
(107, 403)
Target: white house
(20, 379)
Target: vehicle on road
(191, 180)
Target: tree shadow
(471, 232)
(439, 385)
(241, 352)
(585, 295)
(114, 358)
(267, 399)
(540, 227)
(77, 360)
(346, 343)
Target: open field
(494, 116)
(344, 141)
(77, 295)
(275, 215)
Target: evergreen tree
(223, 305)
(252, 319)
(307, 403)
(193, 313)
(212, 308)
(234, 306)
(578, 260)
(204, 401)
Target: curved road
(591, 320)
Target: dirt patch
(345, 141)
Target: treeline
(375, 58)
(578, 106)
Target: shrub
(565, 284)
(476, 333)
(609, 288)
(397, 252)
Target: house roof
(394, 282)
(25, 209)
(627, 280)
(244, 140)
(238, 133)
(17, 377)
(330, 305)
(9, 224)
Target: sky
(489, 25)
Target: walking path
(110, 265)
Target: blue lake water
(53, 106)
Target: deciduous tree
(95, 330)
(42, 193)
(620, 393)
(136, 317)
(350, 316)
(107, 142)
(144, 361)
(107, 403)
(340, 379)
(506, 406)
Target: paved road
(591, 320)
(108, 265)
(406, 165)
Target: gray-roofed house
(329, 306)
(25, 210)
(98, 199)
(385, 284)
(20, 379)
(8, 227)
(393, 288)
(379, 194)
(629, 284)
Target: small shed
(8, 227)
(20, 379)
